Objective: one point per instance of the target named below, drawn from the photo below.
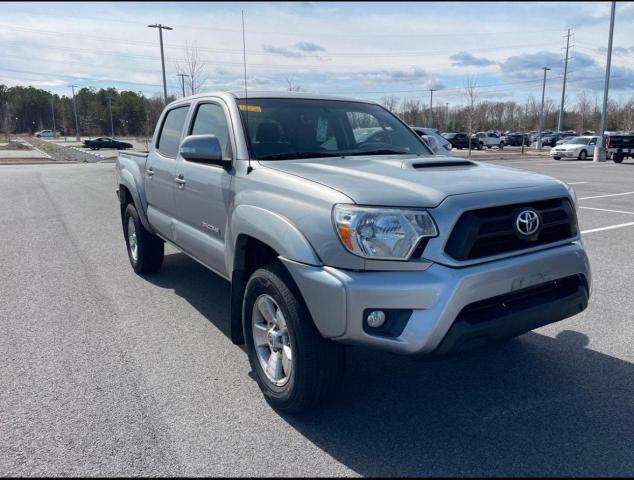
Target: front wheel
(294, 366)
(501, 145)
(145, 250)
(582, 155)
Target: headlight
(382, 233)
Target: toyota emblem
(527, 223)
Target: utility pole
(446, 116)
(560, 122)
(431, 107)
(75, 110)
(599, 149)
(160, 29)
(182, 75)
(53, 112)
(541, 115)
(110, 110)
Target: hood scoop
(439, 164)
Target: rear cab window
(170, 135)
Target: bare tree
(471, 95)
(391, 103)
(194, 68)
(292, 87)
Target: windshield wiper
(297, 155)
(381, 151)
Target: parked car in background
(552, 139)
(106, 142)
(517, 139)
(579, 147)
(490, 139)
(458, 140)
(566, 139)
(620, 147)
(46, 133)
(442, 142)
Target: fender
(127, 180)
(270, 228)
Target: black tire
(317, 363)
(582, 155)
(489, 147)
(557, 158)
(618, 157)
(480, 146)
(150, 248)
(501, 145)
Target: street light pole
(160, 29)
(182, 75)
(431, 107)
(446, 116)
(560, 122)
(599, 149)
(75, 110)
(541, 115)
(111, 122)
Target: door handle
(180, 180)
(149, 172)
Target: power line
(300, 34)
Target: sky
(360, 49)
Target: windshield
(289, 128)
(579, 141)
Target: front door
(160, 172)
(203, 193)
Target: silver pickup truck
(336, 226)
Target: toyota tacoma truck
(332, 238)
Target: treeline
(582, 115)
(29, 109)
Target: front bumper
(564, 153)
(338, 298)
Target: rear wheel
(582, 155)
(295, 367)
(617, 157)
(557, 158)
(501, 146)
(145, 250)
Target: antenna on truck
(246, 93)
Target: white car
(442, 147)
(578, 148)
(46, 133)
(490, 139)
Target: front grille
(491, 231)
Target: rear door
(160, 172)
(203, 194)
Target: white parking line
(604, 196)
(576, 183)
(607, 228)
(608, 210)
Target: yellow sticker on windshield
(251, 108)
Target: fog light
(376, 318)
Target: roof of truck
(269, 94)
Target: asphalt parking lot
(108, 373)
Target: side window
(170, 136)
(592, 141)
(210, 120)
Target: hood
(569, 146)
(410, 182)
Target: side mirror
(201, 149)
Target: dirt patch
(15, 146)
